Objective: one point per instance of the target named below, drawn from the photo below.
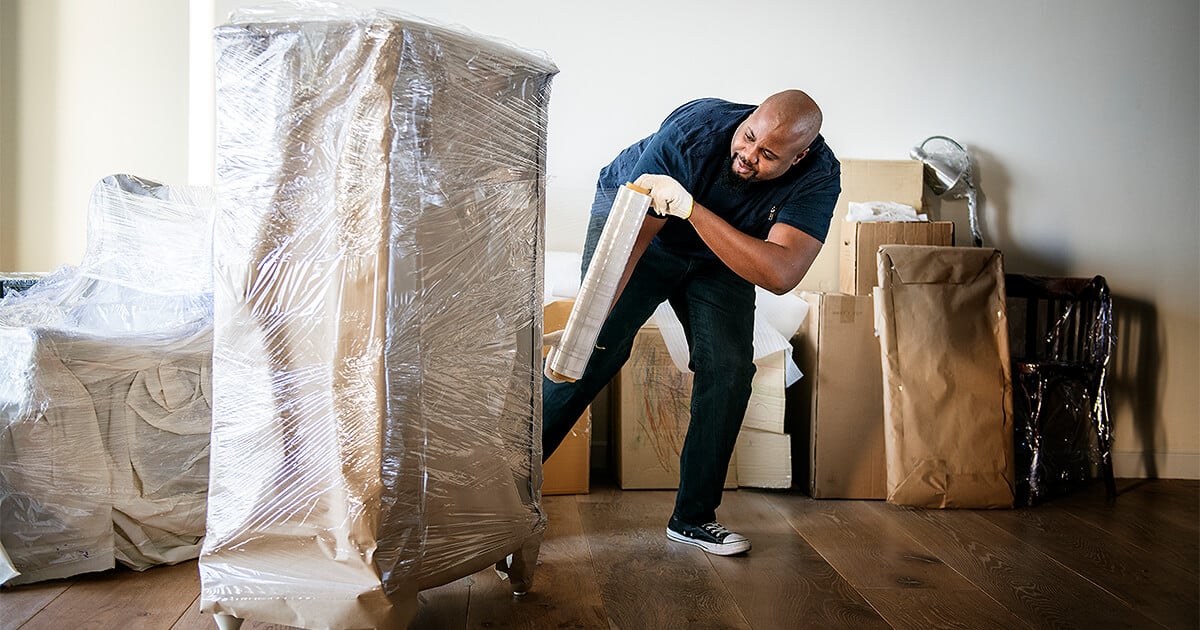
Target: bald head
(775, 136)
(794, 112)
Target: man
(745, 195)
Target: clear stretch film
(600, 283)
(378, 251)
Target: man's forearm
(775, 266)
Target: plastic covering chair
(105, 391)
(1061, 338)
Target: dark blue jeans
(716, 308)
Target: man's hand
(550, 342)
(667, 196)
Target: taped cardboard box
(566, 472)
(947, 385)
(841, 398)
(653, 408)
(861, 241)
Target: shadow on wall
(1135, 386)
(996, 226)
(1133, 376)
(991, 206)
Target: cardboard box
(765, 410)
(763, 452)
(841, 398)
(902, 181)
(947, 387)
(764, 459)
(860, 242)
(566, 472)
(653, 409)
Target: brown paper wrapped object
(947, 387)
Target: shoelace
(716, 529)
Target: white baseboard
(1132, 464)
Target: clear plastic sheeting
(870, 211)
(105, 392)
(599, 286)
(378, 251)
(146, 270)
(1061, 333)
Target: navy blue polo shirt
(692, 146)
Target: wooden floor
(1076, 562)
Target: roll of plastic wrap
(600, 283)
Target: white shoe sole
(727, 549)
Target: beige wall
(87, 89)
(8, 81)
(1083, 116)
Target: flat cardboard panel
(653, 410)
(566, 472)
(764, 459)
(943, 332)
(842, 397)
(764, 451)
(860, 242)
(765, 410)
(901, 181)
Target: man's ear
(800, 157)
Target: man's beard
(730, 180)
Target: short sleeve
(662, 157)
(811, 211)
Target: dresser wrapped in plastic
(378, 246)
(105, 392)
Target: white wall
(1084, 116)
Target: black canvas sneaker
(711, 537)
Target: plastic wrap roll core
(600, 283)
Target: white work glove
(550, 342)
(667, 196)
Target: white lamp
(948, 174)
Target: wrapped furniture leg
(377, 406)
